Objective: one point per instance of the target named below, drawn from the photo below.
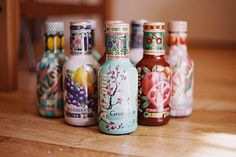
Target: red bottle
(154, 78)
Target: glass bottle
(154, 78)
(118, 84)
(80, 78)
(136, 44)
(182, 70)
(49, 72)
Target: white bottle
(136, 42)
(80, 78)
(182, 70)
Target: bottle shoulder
(79, 60)
(150, 62)
(122, 64)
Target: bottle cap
(114, 28)
(154, 27)
(53, 28)
(178, 26)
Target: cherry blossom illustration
(111, 94)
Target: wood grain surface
(209, 131)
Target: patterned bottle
(118, 84)
(49, 72)
(136, 44)
(154, 78)
(80, 78)
(182, 70)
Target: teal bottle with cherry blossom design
(118, 84)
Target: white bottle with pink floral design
(182, 70)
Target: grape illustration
(92, 103)
(74, 95)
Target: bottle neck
(80, 42)
(117, 46)
(177, 39)
(54, 43)
(136, 37)
(153, 43)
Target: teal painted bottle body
(49, 72)
(118, 84)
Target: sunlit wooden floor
(210, 131)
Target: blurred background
(212, 25)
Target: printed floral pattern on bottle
(182, 77)
(81, 90)
(117, 44)
(154, 91)
(115, 110)
(153, 41)
(81, 42)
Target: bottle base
(154, 121)
(181, 112)
(118, 133)
(80, 124)
(51, 114)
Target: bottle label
(182, 81)
(117, 45)
(154, 91)
(80, 94)
(80, 41)
(177, 39)
(117, 105)
(49, 85)
(54, 42)
(153, 42)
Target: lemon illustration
(50, 43)
(58, 41)
(83, 77)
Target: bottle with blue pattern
(118, 84)
(49, 72)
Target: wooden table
(210, 131)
